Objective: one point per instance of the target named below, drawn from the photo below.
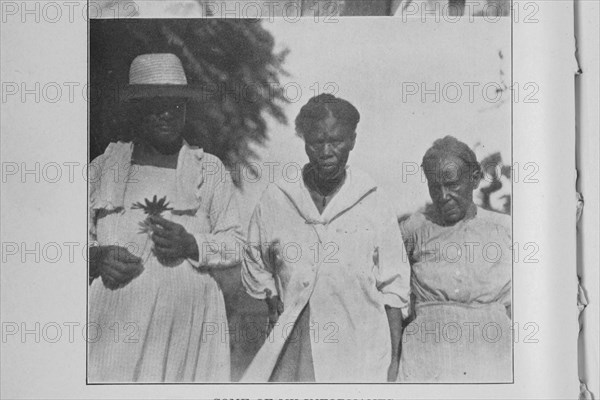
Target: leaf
(155, 207)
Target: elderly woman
(159, 224)
(461, 263)
(324, 252)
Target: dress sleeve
(408, 237)
(222, 247)
(93, 193)
(257, 272)
(392, 266)
(505, 294)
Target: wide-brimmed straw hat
(157, 75)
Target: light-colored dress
(346, 263)
(461, 283)
(168, 324)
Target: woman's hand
(171, 240)
(275, 306)
(115, 265)
(393, 370)
(274, 303)
(275, 256)
(395, 321)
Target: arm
(395, 319)
(257, 270)
(222, 247)
(505, 234)
(393, 281)
(275, 309)
(93, 253)
(393, 268)
(114, 264)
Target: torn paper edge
(588, 260)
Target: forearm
(94, 255)
(394, 316)
(218, 250)
(256, 276)
(221, 247)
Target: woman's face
(328, 146)
(163, 120)
(451, 186)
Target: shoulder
(214, 173)
(114, 150)
(268, 203)
(364, 186)
(211, 164)
(502, 221)
(116, 157)
(271, 195)
(211, 159)
(413, 223)
(361, 178)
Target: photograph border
(512, 382)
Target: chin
(169, 146)
(452, 219)
(327, 175)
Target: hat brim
(138, 92)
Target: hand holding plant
(172, 243)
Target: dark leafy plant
(151, 208)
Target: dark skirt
(295, 363)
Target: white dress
(168, 324)
(462, 285)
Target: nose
(445, 193)
(166, 114)
(327, 149)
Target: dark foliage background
(233, 58)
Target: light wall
(374, 63)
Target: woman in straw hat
(162, 216)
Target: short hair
(320, 107)
(450, 146)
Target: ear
(353, 141)
(476, 177)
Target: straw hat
(157, 75)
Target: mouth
(327, 164)
(165, 129)
(329, 169)
(451, 215)
(449, 208)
